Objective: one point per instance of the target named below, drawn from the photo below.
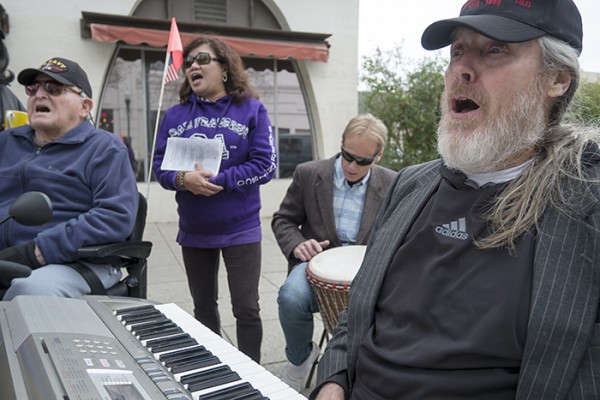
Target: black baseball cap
(61, 70)
(511, 21)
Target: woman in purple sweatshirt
(219, 213)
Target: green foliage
(407, 101)
(585, 108)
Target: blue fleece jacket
(230, 217)
(88, 177)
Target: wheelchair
(131, 255)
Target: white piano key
(286, 394)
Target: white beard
(500, 139)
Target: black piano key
(187, 359)
(140, 312)
(135, 319)
(251, 396)
(175, 345)
(149, 326)
(195, 355)
(154, 342)
(205, 375)
(243, 391)
(170, 343)
(159, 333)
(149, 322)
(195, 364)
(173, 355)
(217, 381)
(131, 310)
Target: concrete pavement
(167, 284)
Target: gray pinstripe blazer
(306, 211)
(561, 359)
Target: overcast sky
(388, 23)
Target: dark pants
(243, 272)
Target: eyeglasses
(201, 58)
(53, 88)
(362, 161)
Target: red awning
(278, 49)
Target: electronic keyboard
(101, 348)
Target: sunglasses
(53, 88)
(201, 58)
(362, 161)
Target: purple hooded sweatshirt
(230, 217)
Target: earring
(224, 78)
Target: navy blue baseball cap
(511, 21)
(61, 70)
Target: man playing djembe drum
(329, 203)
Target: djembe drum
(330, 274)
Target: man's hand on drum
(331, 391)
(197, 182)
(310, 248)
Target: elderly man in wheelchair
(86, 174)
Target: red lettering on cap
(471, 4)
(523, 3)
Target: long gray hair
(520, 206)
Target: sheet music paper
(182, 153)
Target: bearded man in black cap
(84, 171)
(481, 279)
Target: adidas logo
(455, 229)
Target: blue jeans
(297, 304)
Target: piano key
(237, 368)
(228, 377)
(234, 392)
(139, 329)
(165, 339)
(174, 355)
(195, 360)
(195, 364)
(139, 313)
(286, 394)
(185, 359)
(150, 325)
(173, 342)
(134, 310)
(177, 354)
(268, 384)
(205, 374)
(136, 319)
(142, 313)
(209, 378)
(159, 333)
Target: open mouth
(196, 76)
(464, 105)
(41, 109)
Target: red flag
(175, 49)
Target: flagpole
(160, 101)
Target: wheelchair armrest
(126, 249)
(10, 270)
